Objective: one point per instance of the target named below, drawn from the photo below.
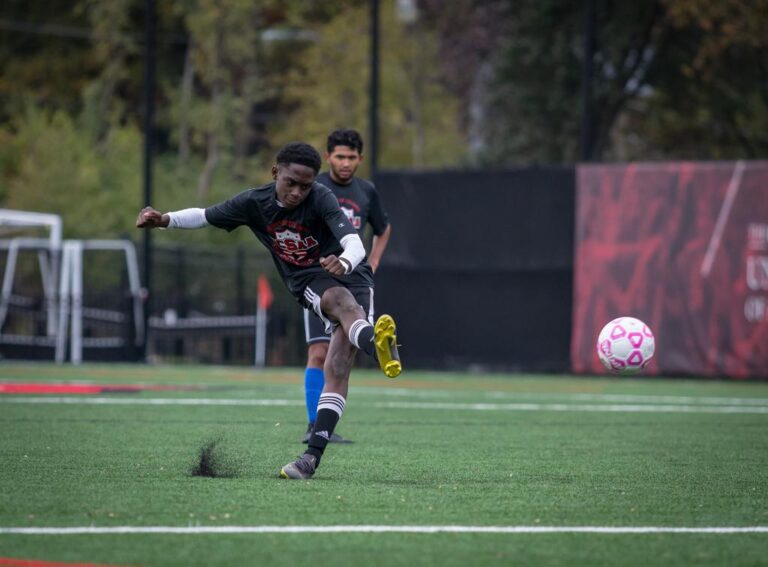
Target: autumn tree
(328, 89)
(671, 79)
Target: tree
(58, 169)
(536, 89)
(113, 46)
(44, 56)
(710, 100)
(672, 78)
(329, 89)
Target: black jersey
(297, 238)
(360, 202)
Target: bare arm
(378, 246)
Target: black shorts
(314, 328)
(310, 299)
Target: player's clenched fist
(334, 265)
(151, 218)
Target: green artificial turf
(430, 449)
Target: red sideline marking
(10, 562)
(83, 389)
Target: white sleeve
(354, 252)
(187, 218)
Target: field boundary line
(182, 530)
(641, 398)
(627, 408)
(458, 406)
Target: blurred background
(547, 165)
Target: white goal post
(61, 268)
(48, 253)
(71, 297)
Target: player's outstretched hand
(333, 265)
(151, 218)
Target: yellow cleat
(385, 339)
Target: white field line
(412, 393)
(620, 408)
(638, 398)
(180, 530)
(497, 395)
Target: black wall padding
(478, 272)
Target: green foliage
(175, 188)
(114, 46)
(536, 108)
(58, 169)
(535, 113)
(49, 164)
(44, 69)
(418, 117)
(711, 97)
(672, 80)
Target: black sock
(329, 410)
(361, 335)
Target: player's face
(343, 162)
(294, 182)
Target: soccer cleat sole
(385, 340)
(292, 474)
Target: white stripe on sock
(355, 329)
(333, 402)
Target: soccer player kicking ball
(322, 261)
(360, 201)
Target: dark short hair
(301, 153)
(345, 137)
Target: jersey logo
(354, 219)
(294, 248)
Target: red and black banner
(683, 247)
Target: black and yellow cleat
(385, 339)
(301, 469)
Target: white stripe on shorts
(310, 327)
(370, 307)
(314, 300)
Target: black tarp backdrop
(479, 269)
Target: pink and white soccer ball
(625, 346)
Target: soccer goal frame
(48, 253)
(61, 269)
(70, 317)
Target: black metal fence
(204, 305)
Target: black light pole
(587, 118)
(373, 110)
(149, 111)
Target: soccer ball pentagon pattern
(625, 346)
